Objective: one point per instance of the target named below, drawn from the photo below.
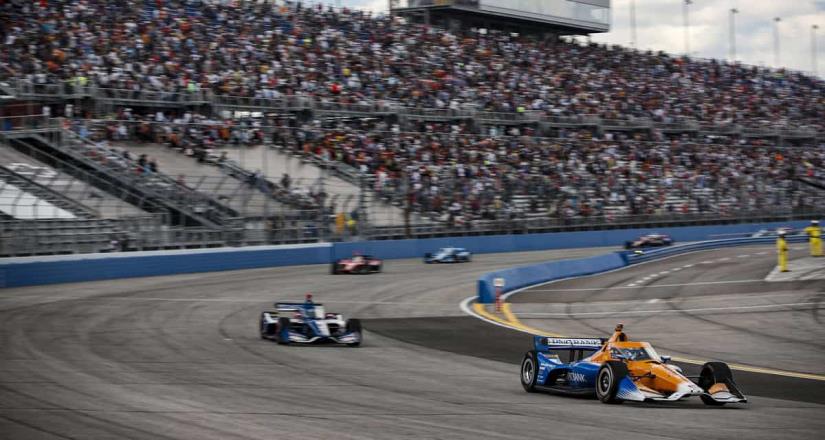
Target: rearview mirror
(665, 359)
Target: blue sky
(659, 26)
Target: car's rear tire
(607, 381)
(283, 331)
(530, 371)
(363, 270)
(354, 325)
(711, 374)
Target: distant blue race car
(307, 322)
(449, 255)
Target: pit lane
(179, 357)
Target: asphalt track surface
(179, 357)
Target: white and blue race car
(449, 255)
(307, 322)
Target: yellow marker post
(782, 252)
(815, 238)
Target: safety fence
(105, 97)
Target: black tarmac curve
(179, 358)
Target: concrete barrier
(27, 271)
(526, 276)
(632, 257)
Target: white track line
(702, 309)
(699, 283)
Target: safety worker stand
(814, 232)
(782, 252)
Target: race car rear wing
(293, 306)
(545, 343)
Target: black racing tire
(334, 269)
(711, 374)
(379, 268)
(628, 245)
(263, 327)
(530, 371)
(364, 270)
(469, 258)
(283, 323)
(354, 325)
(607, 381)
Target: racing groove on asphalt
(179, 357)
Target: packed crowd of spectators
(460, 175)
(445, 173)
(276, 49)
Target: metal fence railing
(71, 90)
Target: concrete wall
(27, 271)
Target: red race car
(358, 264)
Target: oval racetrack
(179, 357)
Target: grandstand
(387, 127)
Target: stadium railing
(146, 97)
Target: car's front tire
(530, 371)
(263, 327)
(607, 381)
(334, 269)
(711, 374)
(354, 325)
(283, 331)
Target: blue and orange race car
(618, 370)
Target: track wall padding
(75, 268)
(392, 249)
(524, 276)
(28, 271)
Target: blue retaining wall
(391, 249)
(89, 267)
(29, 271)
(525, 276)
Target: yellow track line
(512, 321)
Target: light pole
(814, 62)
(776, 21)
(633, 41)
(686, 16)
(733, 13)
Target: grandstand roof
(531, 17)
